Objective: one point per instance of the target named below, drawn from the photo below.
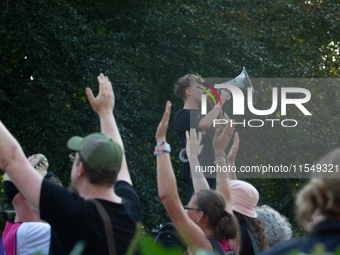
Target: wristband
(218, 107)
(166, 148)
(161, 143)
(221, 154)
(159, 152)
(222, 160)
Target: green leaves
(50, 52)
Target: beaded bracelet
(220, 154)
(160, 152)
(161, 143)
(221, 160)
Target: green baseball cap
(98, 150)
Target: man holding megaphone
(242, 81)
(190, 89)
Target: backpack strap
(108, 227)
(216, 246)
(234, 248)
(253, 242)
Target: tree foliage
(51, 51)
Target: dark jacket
(326, 232)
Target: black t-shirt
(73, 219)
(183, 121)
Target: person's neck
(24, 212)
(89, 191)
(26, 215)
(190, 105)
(206, 229)
(208, 232)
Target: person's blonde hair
(184, 83)
(322, 192)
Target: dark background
(50, 51)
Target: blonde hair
(322, 192)
(184, 83)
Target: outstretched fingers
(163, 125)
(221, 140)
(166, 115)
(100, 79)
(188, 138)
(217, 134)
(90, 95)
(234, 149)
(104, 102)
(193, 146)
(236, 141)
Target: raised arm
(103, 105)
(14, 162)
(215, 113)
(168, 194)
(232, 155)
(220, 143)
(193, 150)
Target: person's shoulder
(48, 186)
(56, 196)
(126, 191)
(58, 204)
(130, 198)
(123, 185)
(38, 228)
(33, 233)
(183, 119)
(182, 112)
(284, 247)
(34, 237)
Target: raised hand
(104, 101)
(163, 125)
(225, 96)
(221, 140)
(194, 146)
(233, 150)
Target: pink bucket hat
(244, 198)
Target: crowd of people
(103, 211)
(101, 207)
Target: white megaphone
(242, 81)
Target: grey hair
(276, 226)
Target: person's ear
(200, 216)
(188, 92)
(80, 171)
